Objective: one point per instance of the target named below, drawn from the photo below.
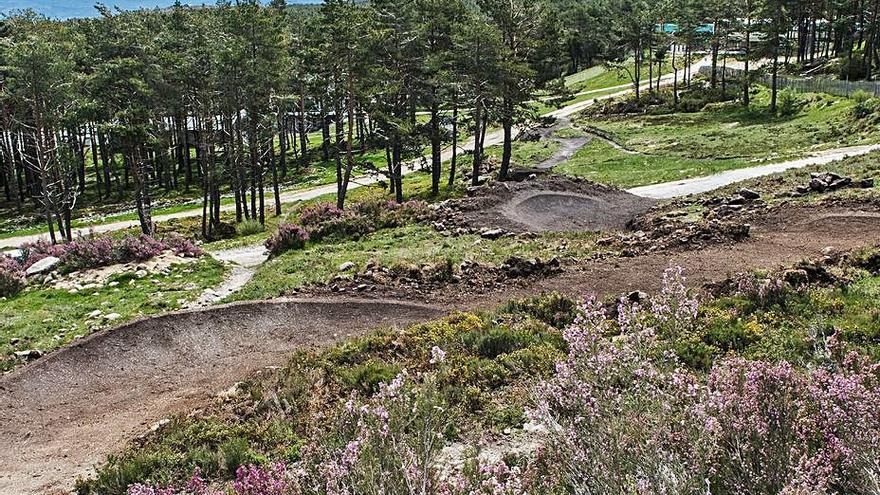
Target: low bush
(789, 103)
(12, 279)
(288, 237)
(85, 253)
(183, 246)
(367, 377)
(92, 252)
(324, 220)
(138, 248)
(249, 227)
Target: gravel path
(698, 185)
(244, 262)
(492, 138)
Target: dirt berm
(65, 412)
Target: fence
(805, 85)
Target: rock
(112, 316)
(818, 185)
(803, 190)
(839, 183)
(29, 355)
(795, 277)
(493, 234)
(865, 183)
(637, 297)
(232, 392)
(141, 273)
(749, 194)
(348, 265)
(94, 314)
(14, 341)
(43, 266)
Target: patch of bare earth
(543, 204)
(63, 413)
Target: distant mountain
(66, 9)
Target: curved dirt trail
(62, 414)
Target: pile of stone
(821, 182)
(745, 200)
(428, 279)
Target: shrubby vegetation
(611, 392)
(96, 251)
(325, 221)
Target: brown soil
(553, 203)
(62, 414)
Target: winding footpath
(62, 414)
(492, 138)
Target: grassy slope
(414, 245)
(48, 319)
(682, 145)
(492, 361)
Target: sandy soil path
(64, 413)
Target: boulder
(29, 354)
(796, 277)
(866, 183)
(749, 194)
(817, 184)
(43, 266)
(493, 234)
(348, 265)
(839, 183)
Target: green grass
(599, 162)
(411, 245)
(729, 131)
(726, 136)
(593, 79)
(47, 319)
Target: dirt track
(66, 412)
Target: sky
(65, 9)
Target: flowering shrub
(763, 292)
(139, 248)
(289, 236)
(92, 252)
(269, 480)
(183, 246)
(320, 213)
(87, 253)
(11, 277)
(393, 440)
(625, 406)
(249, 480)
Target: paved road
(698, 185)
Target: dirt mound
(64, 413)
(543, 204)
(562, 211)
